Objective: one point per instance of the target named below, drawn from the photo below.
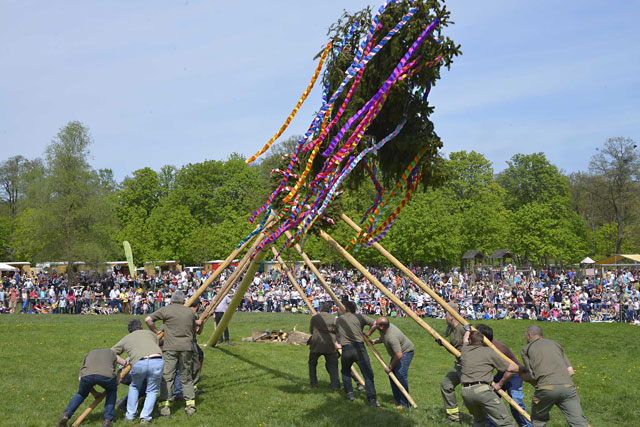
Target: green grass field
(265, 384)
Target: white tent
(587, 260)
(7, 267)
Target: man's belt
(474, 383)
(155, 356)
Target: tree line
(59, 208)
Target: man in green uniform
(179, 324)
(400, 348)
(349, 328)
(146, 362)
(478, 363)
(98, 368)
(452, 378)
(550, 372)
(323, 343)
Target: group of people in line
(166, 360)
(540, 295)
(544, 365)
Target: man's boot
(63, 420)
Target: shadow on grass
(336, 410)
(275, 372)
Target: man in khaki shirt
(400, 348)
(98, 368)
(145, 358)
(323, 343)
(179, 324)
(349, 327)
(550, 372)
(477, 365)
(452, 379)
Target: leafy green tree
(617, 165)
(71, 216)
(15, 175)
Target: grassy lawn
(264, 384)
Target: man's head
(177, 297)
(476, 338)
(533, 333)
(350, 306)
(325, 307)
(485, 330)
(383, 324)
(448, 317)
(134, 325)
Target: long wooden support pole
(293, 280)
(219, 270)
(422, 285)
(436, 297)
(237, 298)
(318, 275)
(404, 307)
(391, 374)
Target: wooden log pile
(280, 336)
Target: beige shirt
(478, 363)
(457, 337)
(138, 344)
(99, 362)
(179, 324)
(323, 333)
(394, 340)
(547, 362)
(350, 326)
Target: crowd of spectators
(561, 296)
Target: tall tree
(14, 178)
(617, 164)
(71, 216)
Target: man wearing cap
(349, 328)
(98, 368)
(477, 365)
(400, 348)
(452, 379)
(146, 362)
(179, 324)
(550, 372)
(323, 343)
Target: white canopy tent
(7, 267)
(587, 260)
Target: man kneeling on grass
(98, 368)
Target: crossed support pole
(410, 312)
(340, 306)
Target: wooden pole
(439, 300)
(293, 280)
(318, 275)
(220, 269)
(391, 374)
(237, 298)
(422, 285)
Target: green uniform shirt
(478, 363)
(457, 337)
(179, 326)
(323, 333)
(99, 362)
(394, 340)
(547, 362)
(138, 344)
(350, 326)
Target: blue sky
(168, 82)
